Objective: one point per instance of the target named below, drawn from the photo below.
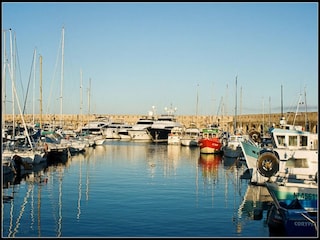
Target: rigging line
(54, 77)
(17, 62)
(22, 118)
(25, 201)
(25, 99)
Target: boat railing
(310, 220)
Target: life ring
(268, 164)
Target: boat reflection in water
(256, 200)
(209, 164)
(124, 182)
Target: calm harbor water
(136, 189)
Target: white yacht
(112, 130)
(139, 129)
(161, 128)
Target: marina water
(135, 189)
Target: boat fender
(268, 164)
(255, 136)
(46, 147)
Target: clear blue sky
(140, 55)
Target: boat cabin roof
(294, 139)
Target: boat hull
(190, 142)
(159, 134)
(294, 212)
(210, 145)
(137, 135)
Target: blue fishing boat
(295, 209)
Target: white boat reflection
(256, 200)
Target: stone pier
(260, 122)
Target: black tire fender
(255, 136)
(268, 164)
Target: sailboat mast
(269, 111)
(81, 97)
(4, 80)
(241, 106)
(34, 84)
(62, 64)
(197, 104)
(235, 110)
(12, 83)
(40, 91)
(281, 102)
(306, 115)
(89, 89)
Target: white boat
(94, 127)
(75, 145)
(112, 130)
(138, 131)
(161, 128)
(294, 153)
(232, 147)
(123, 132)
(56, 149)
(191, 136)
(94, 132)
(175, 135)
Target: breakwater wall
(260, 122)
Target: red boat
(210, 141)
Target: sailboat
(232, 148)
(192, 133)
(23, 158)
(58, 149)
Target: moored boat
(210, 141)
(161, 128)
(191, 136)
(138, 131)
(294, 153)
(175, 135)
(232, 147)
(295, 209)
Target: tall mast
(269, 111)
(281, 102)
(12, 79)
(4, 79)
(282, 120)
(306, 116)
(241, 104)
(34, 84)
(62, 64)
(235, 110)
(197, 104)
(81, 96)
(89, 89)
(40, 91)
